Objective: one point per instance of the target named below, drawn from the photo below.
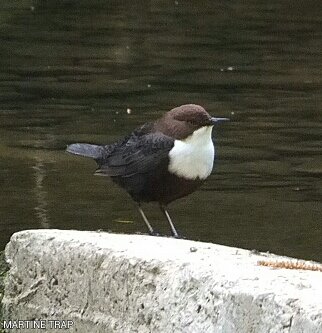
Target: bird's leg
(173, 229)
(145, 219)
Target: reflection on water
(69, 70)
(41, 195)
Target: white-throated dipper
(161, 161)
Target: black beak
(215, 120)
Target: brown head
(183, 120)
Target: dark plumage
(156, 161)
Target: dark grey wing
(139, 154)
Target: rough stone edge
(243, 252)
(4, 267)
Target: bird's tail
(87, 150)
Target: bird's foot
(154, 233)
(179, 236)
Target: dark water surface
(69, 70)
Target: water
(69, 70)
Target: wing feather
(139, 154)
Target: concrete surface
(134, 283)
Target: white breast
(193, 157)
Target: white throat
(193, 157)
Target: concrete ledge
(134, 283)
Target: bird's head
(184, 120)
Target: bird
(160, 161)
